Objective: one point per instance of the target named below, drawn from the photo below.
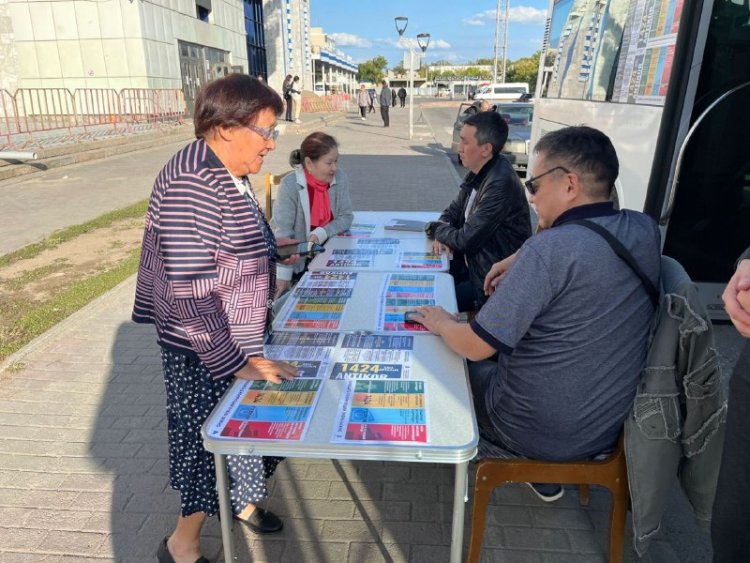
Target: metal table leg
(459, 498)
(225, 507)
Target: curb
(55, 157)
(63, 325)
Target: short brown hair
(232, 101)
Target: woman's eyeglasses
(533, 188)
(270, 134)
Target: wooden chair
(270, 181)
(610, 472)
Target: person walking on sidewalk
(206, 275)
(731, 516)
(286, 92)
(385, 102)
(296, 92)
(402, 96)
(372, 95)
(363, 100)
(393, 97)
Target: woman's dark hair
(232, 101)
(295, 79)
(313, 147)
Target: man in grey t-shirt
(569, 320)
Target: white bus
(669, 82)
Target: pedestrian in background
(402, 96)
(385, 102)
(363, 100)
(206, 275)
(286, 87)
(393, 97)
(296, 92)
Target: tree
(524, 69)
(399, 69)
(484, 62)
(372, 70)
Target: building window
(203, 10)
(255, 39)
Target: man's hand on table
(434, 318)
(736, 298)
(260, 368)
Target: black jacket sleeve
(454, 213)
(491, 206)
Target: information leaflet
(384, 412)
(358, 230)
(319, 300)
(261, 410)
(421, 261)
(402, 293)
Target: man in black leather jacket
(489, 219)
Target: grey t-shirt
(571, 321)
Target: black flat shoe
(262, 522)
(163, 555)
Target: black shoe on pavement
(262, 522)
(163, 555)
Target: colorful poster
(420, 261)
(260, 410)
(358, 230)
(377, 348)
(386, 412)
(379, 245)
(402, 293)
(319, 301)
(647, 51)
(300, 345)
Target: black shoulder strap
(623, 253)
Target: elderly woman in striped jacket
(206, 277)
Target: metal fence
(33, 111)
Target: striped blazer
(205, 278)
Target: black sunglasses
(530, 182)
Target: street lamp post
(423, 40)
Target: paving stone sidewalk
(83, 456)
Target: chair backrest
(270, 181)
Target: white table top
(380, 218)
(362, 309)
(390, 256)
(453, 435)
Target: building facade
(333, 71)
(152, 43)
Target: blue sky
(459, 30)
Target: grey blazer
(291, 214)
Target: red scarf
(320, 201)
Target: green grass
(26, 319)
(37, 319)
(137, 210)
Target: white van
(502, 91)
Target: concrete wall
(8, 54)
(116, 43)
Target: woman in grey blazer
(313, 203)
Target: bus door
(708, 225)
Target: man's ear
(575, 187)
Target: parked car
(518, 116)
